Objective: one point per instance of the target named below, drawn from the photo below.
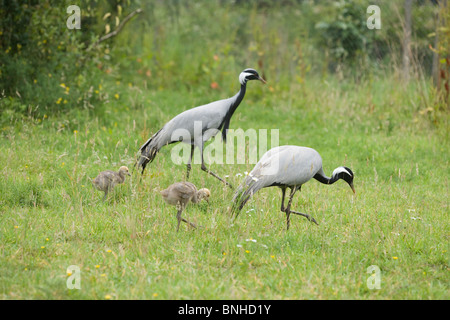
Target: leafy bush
(344, 36)
(48, 67)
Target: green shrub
(46, 65)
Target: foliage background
(70, 108)
(177, 44)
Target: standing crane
(215, 115)
(287, 167)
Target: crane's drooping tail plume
(148, 151)
(244, 192)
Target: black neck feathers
(236, 101)
(343, 173)
(324, 179)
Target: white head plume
(243, 77)
(340, 170)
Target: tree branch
(118, 29)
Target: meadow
(127, 247)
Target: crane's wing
(184, 190)
(108, 175)
(199, 119)
(106, 179)
(288, 165)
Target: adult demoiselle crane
(287, 167)
(198, 125)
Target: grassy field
(127, 247)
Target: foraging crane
(287, 167)
(179, 194)
(201, 123)
(107, 180)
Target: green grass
(127, 248)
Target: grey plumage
(180, 194)
(287, 167)
(107, 180)
(198, 124)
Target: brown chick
(106, 180)
(180, 193)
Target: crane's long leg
(179, 218)
(288, 208)
(204, 168)
(283, 209)
(189, 162)
(283, 194)
(106, 193)
(310, 218)
(192, 225)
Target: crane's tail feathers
(237, 201)
(146, 156)
(148, 152)
(243, 194)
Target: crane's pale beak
(353, 188)
(262, 80)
